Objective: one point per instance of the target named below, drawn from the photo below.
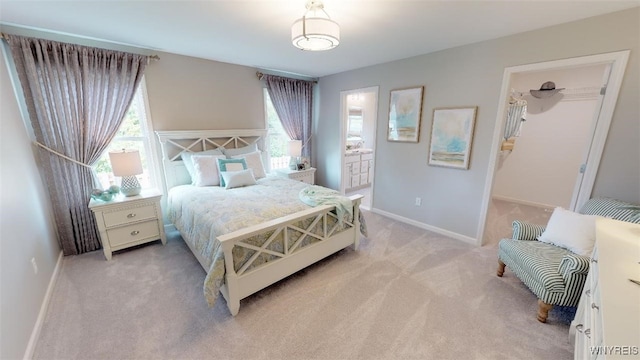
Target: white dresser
(129, 221)
(607, 322)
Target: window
(134, 133)
(278, 138)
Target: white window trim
(151, 145)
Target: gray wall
(187, 93)
(26, 228)
(472, 75)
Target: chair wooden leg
(501, 266)
(543, 310)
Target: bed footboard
(323, 236)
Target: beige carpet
(406, 294)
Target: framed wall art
(451, 136)
(405, 111)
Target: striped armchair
(555, 275)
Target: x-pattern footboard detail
(328, 220)
(289, 244)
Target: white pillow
(188, 162)
(234, 179)
(254, 162)
(241, 150)
(572, 231)
(205, 170)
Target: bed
(279, 236)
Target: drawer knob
(131, 216)
(135, 232)
(594, 306)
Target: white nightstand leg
(107, 253)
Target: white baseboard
(451, 234)
(523, 202)
(35, 334)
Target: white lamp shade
(126, 162)
(294, 148)
(315, 33)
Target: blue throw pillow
(230, 165)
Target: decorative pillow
(254, 162)
(188, 163)
(234, 179)
(241, 150)
(205, 170)
(229, 165)
(572, 231)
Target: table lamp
(127, 164)
(294, 148)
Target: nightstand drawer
(135, 232)
(129, 215)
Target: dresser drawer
(135, 232)
(367, 156)
(126, 216)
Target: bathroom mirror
(354, 125)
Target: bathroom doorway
(359, 114)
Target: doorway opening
(551, 159)
(359, 114)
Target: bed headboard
(174, 143)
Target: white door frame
(618, 62)
(344, 114)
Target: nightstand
(129, 221)
(307, 176)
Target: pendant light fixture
(315, 31)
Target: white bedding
(203, 213)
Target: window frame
(265, 94)
(147, 137)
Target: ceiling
(257, 33)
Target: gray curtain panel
(292, 100)
(76, 97)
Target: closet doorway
(359, 114)
(554, 156)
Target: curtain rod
(151, 57)
(261, 75)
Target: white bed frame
(246, 281)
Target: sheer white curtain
(292, 100)
(76, 97)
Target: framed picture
(451, 136)
(405, 111)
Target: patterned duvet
(203, 213)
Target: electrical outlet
(35, 265)
(418, 201)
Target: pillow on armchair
(570, 230)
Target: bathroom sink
(359, 151)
